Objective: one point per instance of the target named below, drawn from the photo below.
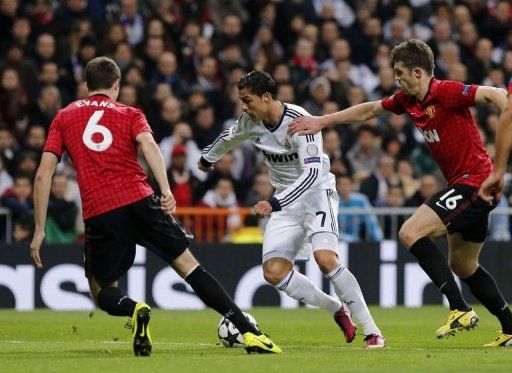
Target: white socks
(348, 290)
(300, 288)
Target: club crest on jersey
(430, 135)
(287, 144)
(431, 111)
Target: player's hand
(492, 188)
(168, 203)
(203, 167)
(262, 209)
(305, 125)
(35, 247)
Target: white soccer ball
(229, 335)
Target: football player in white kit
(304, 208)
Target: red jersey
(449, 129)
(99, 135)
(510, 86)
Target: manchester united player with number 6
(120, 209)
(440, 110)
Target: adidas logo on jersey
(430, 135)
(279, 158)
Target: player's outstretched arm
(156, 163)
(226, 141)
(42, 186)
(495, 182)
(492, 95)
(358, 113)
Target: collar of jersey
(274, 129)
(99, 94)
(427, 96)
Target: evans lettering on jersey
(296, 163)
(449, 129)
(99, 135)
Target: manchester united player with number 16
(440, 110)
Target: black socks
(436, 267)
(484, 288)
(116, 302)
(214, 296)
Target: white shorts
(288, 232)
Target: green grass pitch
(50, 341)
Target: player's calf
(348, 290)
(325, 246)
(327, 260)
(484, 288)
(115, 302)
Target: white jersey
(296, 163)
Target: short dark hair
(101, 73)
(258, 83)
(413, 54)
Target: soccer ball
(229, 335)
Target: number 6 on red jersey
(92, 128)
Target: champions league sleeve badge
(312, 150)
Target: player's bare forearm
(42, 186)
(492, 95)
(358, 113)
(503, 140)
(155, 160)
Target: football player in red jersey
(493, 186)
(440, 110)
(102, 138)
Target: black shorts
(110, 238)
(462, 211)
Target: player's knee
(407, 235)
(274, 276)
(274, 273)
(327, 260)
(276, 269)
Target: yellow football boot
(457, 321)
(503, 340)
(260, 344)
(140, 327)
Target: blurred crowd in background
(181, 60)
